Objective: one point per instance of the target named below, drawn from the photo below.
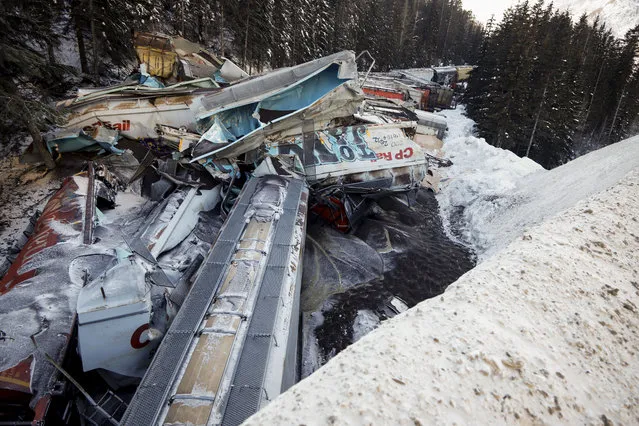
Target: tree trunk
(221, 26)
(80, 38)
(594, 92)
(38, 143)
(246, 31)
(450, 20)
(33, 129)
(182, 34)
(439, 29)
(402, 34)
(200, 27)
(614, 119)
(50, 52)
(532, 135)
(94, 44)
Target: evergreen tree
(105, 27)
(551, 89)
(27, 76)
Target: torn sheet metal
(383, 86)
(136, 113)
(178, 139)
(216, 137)
(230, 73)
(446, 76)
(240, 321)
(196, 60)
(342, 101)
(281, 166)
(258, 88)
(132, 90)
(244, 120)
(421, 75)
(381, 111)
(113, 305)
(440, 97)
(421, 92)
(431, 124)
(174, 57)
(185, 218)
(37, 296)
(147, 79)
(355, 150)
(123, 313)
(98, 138)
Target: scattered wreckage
(427, 89)
(203, 272)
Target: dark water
(419, 262)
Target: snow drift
(491, 196)
(542, 332)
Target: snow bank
(477, 185)
(490, 195)
(365, 322)
(542, 332)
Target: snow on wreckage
(219, 228)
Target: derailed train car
(256, 156)
(91, 290)
(36, 295)
(428, 88)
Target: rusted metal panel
(156, 51)
(39, 269)
(464, 71)
(384, 93)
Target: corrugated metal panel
(152, 394)
(247, 389)
(246, 270)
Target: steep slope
(619, 15)
(490, 196)
(543, 332)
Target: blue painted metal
(241, 120)
(304, 94)
(81, 141)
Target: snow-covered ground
(542, 331)
(365, 322)
(479, 183)
(24, 189)
(490, 196)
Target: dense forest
(551, 88)
(546, 85)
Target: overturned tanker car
(124, 305)
(91, 294)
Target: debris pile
(428, 89)
(210, 213)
